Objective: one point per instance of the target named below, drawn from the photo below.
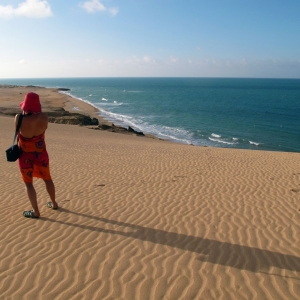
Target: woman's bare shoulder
(17, 116)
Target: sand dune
(147, 219)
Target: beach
(144, 218)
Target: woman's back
(33, 124)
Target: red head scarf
(31, 103)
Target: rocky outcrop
(114, 128)
(63, 89)
(59, 115)
(73, 119)
(134, 131)
(62, 116)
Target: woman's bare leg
(32, 197)
(51, 191)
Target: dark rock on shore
(134, 131)
(105, 126)
(9, 111)
(114, 128)
(62, 116)
(73, 119)
(63, 89)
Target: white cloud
(113, 11)
(103, 62)
(29, 9)
(149, 60)
(136, 66)
(174, 59)
(132, 59)
(93, 6)
(6, 11)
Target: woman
(34, 160)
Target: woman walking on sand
(34, 159)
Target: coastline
(61, 108)
(253, 134)
(142, 218)
(51, 99)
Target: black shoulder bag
(13, 152)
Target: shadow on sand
(213, 251)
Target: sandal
(30, 214)
(49, 204)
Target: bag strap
(18, 127)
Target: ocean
(256, 114)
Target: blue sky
(125, 38)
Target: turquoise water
(260, 114)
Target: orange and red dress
(34, 159)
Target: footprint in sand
(295, 190)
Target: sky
(150, 38)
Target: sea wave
(178, 135)
(115, 103)
(175, 134)
(221, 141)
(78, 98)
(119, 119)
